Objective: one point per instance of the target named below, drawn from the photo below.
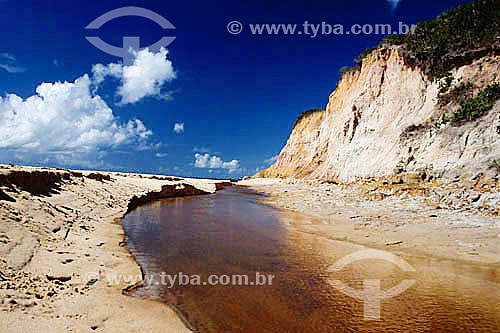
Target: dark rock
(476, 198)
(58, 278)
(220, 186)
(6, 197)
(91, 282)
(167, 191)
(34, 182)
(98, 176)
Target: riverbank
(457, 220)
(59, 242)
(232, 234)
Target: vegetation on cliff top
(437, 46)
(433, 45)
(305, 114)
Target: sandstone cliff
(384, 119)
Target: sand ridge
(59, 242)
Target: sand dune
(59, 242)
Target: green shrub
(475, 107)
(445, 83)
(469, 26)
(433, 44)
(346, 70)
(495, 164)
(305, 114)
(365, 54)
(393, 40)
(459, 93)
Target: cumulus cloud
(64, 116)
(69, 123)
(207, 161)
(394, 3)
(145, 77)
(179, 128)
(161, 155)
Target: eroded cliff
(386, 118)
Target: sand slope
(58, 243)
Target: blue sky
(217, 105)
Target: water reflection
(231, 233)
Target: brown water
(231, 233)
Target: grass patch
(306, 114)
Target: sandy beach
(457, 221)
(59, 241)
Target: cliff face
(381, 120)
(300, 151)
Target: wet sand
(417, 219)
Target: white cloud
(145, 77)
(271, 159)
(201, 150)
(179, 128)
(12, 68)
(68, 123)
(66, 159)
(8, 56)
(394, 3)
(64, 116)
(89, 161)
(214, 162)
(9, 63)
(161, 155)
